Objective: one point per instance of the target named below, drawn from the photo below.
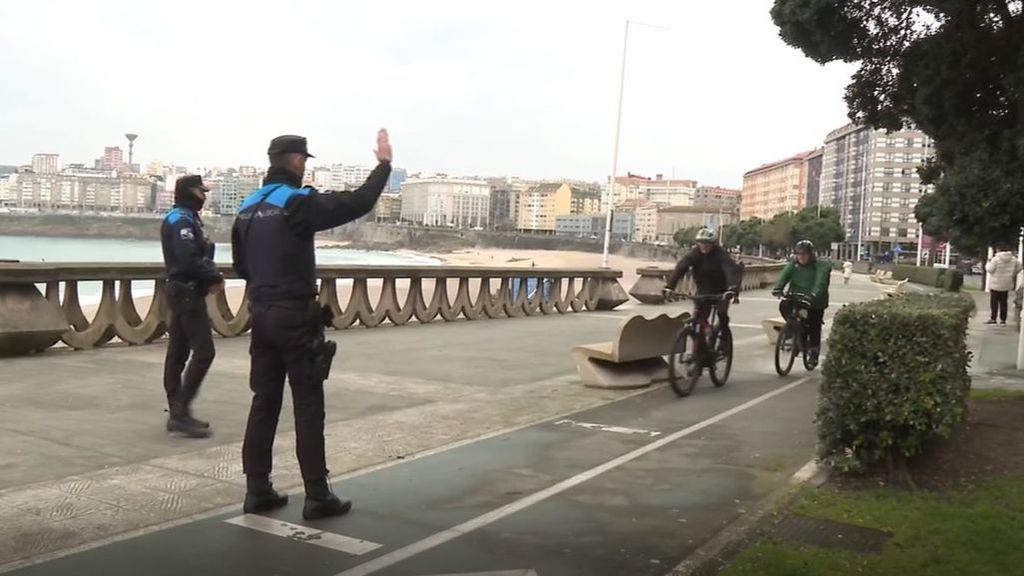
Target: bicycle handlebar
(704, 298)
(795, 296)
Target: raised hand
(383, 150)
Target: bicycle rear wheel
(682, 364)
(785, 350)
(721, 360)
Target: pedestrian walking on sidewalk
(272, 247)
(847, 271)
(1002, 271)
(191, 275)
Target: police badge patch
(186, 234)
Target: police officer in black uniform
(191, 275)
(272, 245)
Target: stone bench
(882, 276)
(635, 358)
(894, 290)
(772, 327)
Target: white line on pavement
(494, 573)
(756, 299)
(435, 540)
(600, 315)
(606, 428)
(805, 473)
(305, 534)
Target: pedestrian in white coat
(847, 271)
(1002, 270)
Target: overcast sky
(526, 88)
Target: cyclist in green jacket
(808, 279)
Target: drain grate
(828, 534)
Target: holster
(323, 350)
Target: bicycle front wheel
(785, 350)
(682, 364)
(721, 360)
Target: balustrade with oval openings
(365, 296)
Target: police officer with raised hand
(272, 245)
(191, 275)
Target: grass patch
(995, 394)
(978, 531)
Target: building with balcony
(444, 201)
(776, 188)
(870, 177)
(675, 218)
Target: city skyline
(460, 88)
(355, 172)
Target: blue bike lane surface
(632, 487)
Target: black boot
(260, 495)
(196, 421)
(182, 425)
(182, 422)
(321, 502)
(183, 410)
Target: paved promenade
(467, 446)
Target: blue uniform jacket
(188, 255)
(272, 241)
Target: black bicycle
(700, 345)
(792, 339)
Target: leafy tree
(822, 230)
(777, 233)
(955, 69)
(686, 237)
(746, 234)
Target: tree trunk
(899, 473)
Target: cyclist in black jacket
(714, 272)
(272, 246)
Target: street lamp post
(618, 132)
(1020, 319)
(860, 210)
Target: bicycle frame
(797, 323)
(702, 329)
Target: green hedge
(895, 376)
(948, 279)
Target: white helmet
(706, 235)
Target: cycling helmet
(804, 247)
(705, 235)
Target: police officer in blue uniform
(272, 246)
(191, 275)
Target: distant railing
(356, 295)
(647, 288)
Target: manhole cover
(828, 534)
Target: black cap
(289, 145)
(187, 183)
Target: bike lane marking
(339, 542)
(608, 428)
(391, 558)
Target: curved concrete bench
(882, 277)
(895, 289)
(635, 358)
(772, 327)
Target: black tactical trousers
(284, 334)
(188, 333)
